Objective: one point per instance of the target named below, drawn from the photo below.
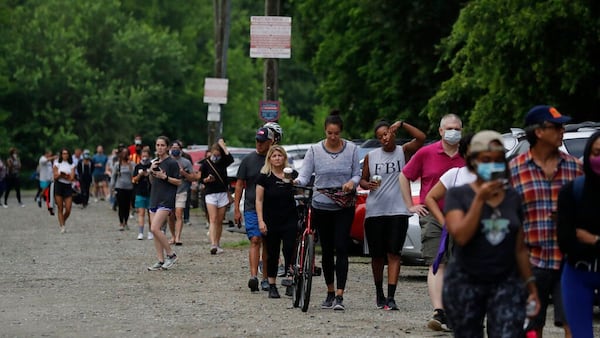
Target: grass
(241, 244)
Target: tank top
(387, 199)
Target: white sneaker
(4, 205)
(140, 236)
(95, 200)
(220, 250)
(63, 229)
(22, 205)
(150, 236)
(169, 261)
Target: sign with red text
(215, 90)
(271, 37)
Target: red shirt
(429, 164)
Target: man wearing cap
(538, 175)
(248, 172)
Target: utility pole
(271, 65)
(222, 8)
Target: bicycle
(303, 268)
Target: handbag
(338, 196)
(229, 195)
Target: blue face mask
(175, 152)
(486, 170)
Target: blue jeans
(578, 299)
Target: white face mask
(452, 136)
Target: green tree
(375, 59)
(507, 56)
(84, 73)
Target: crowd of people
(501, 238)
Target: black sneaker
(339, 304)
(253, 284)
(380, 301)
(328, 302)
(273, 292)
(391, 305)
(289, 291)
(438, 321)
(264, 285)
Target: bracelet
(529, 280)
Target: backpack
(578, 188)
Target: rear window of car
(575, 146)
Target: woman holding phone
(164, 177)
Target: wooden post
(271, 66)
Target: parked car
(411, 251)
(574, 139)
(296, 153)
(238, 154)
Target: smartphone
(501, 176)
(157, 168)
(498, 175)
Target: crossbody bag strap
(216, 172)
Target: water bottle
(529, 310)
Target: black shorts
(386, 234)
(99, 178)
(62, 189)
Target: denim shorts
(251, 221)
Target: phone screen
(498, 175)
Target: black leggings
(285, 233)
(13, 182)
(124, 203)
(334, 232)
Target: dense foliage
(81, 73)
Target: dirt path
(92, 281)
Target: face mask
(215, 158)
(145, 160)
(452, 136)
(175, 152)
(595, 164)
(486, 170)
(86, 156)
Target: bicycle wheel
(297, 275)
(307, 270)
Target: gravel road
(92, 282)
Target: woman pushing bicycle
(335, 163)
